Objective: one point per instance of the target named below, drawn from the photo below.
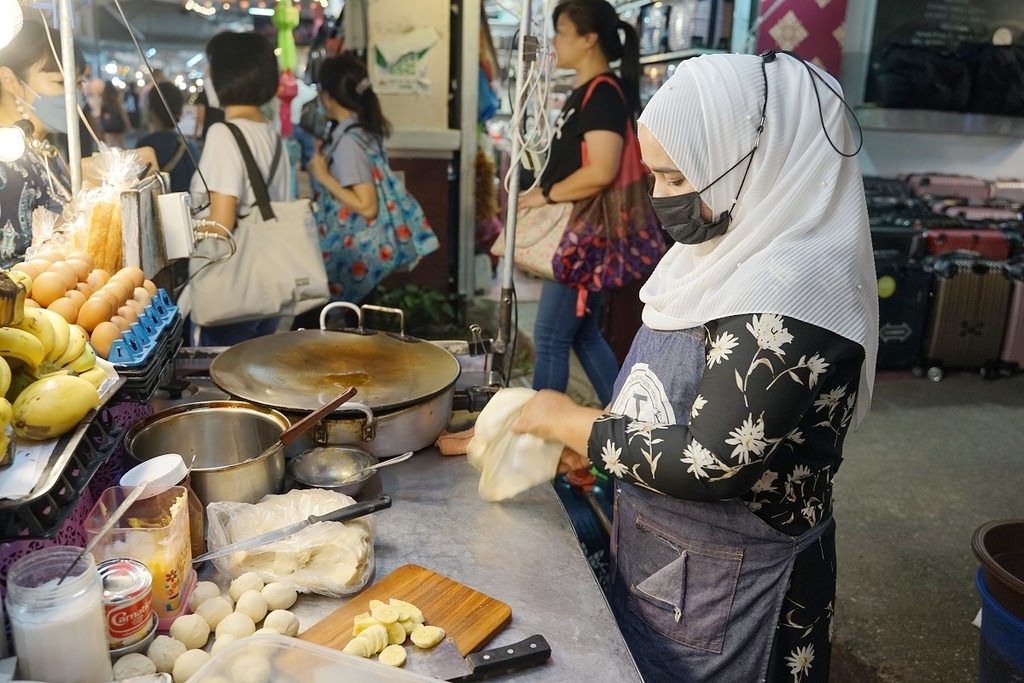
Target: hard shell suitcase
(1010, 190)
(903, 289)
(700, 24)
(967, 320)
(909, 243)
(1013, 342)
(980, 212)
(945, 185)
(989, 244)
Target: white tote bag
(277, 268)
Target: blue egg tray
(146, 336)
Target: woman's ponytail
(346, 80)
(629, 67)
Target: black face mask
(680, 216)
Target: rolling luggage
(908, 242)
(979, 212)
(903, 289)
(1010, 190)
(967, 320)
(987, 243)
(700, 24)
(944, 185)
(1013, 342)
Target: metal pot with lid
(405, 384)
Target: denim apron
(697, 587)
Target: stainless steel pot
(227, 438)
(405, 384)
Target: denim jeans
(558, 329)
(235, 333)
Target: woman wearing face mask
(756, 355)
(588, 36)
(31, 97)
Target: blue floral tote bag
(358, 254)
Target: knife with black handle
(506, 659)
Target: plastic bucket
(999, 547)
(1001, 658)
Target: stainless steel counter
(522, 552)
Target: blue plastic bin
(1002, 641)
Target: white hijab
(798, 244)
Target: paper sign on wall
(401, 61)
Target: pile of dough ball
(228, 617)
(382, 631)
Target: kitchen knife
(340, 515)
(445, 662)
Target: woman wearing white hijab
(756, 355)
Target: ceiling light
(261, 11)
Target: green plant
(427, 311)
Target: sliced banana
(358, 646)
(392, 655)
(385, 614)
(377, 636)
(362, 622)
(409, 626)
(396, 634)
(407, 611)
(425, 637)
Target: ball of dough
(265, 631)
(188, 664)
(251, 669)
(134, 664)
(279, 595)
(284, 622)
(203, 591)
(214, 610)
(253, 605)
(163, 651)
(237, 624)
(191, 629)
(222, 642)
(249, 581)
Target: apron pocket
(682, 589)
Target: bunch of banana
(48, 370)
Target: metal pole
(67, 49)
(468, 90)
(501, 345)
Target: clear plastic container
(154, 531)
(280, 659)
(60, 631)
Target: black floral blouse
(24, 187)
(767, 427)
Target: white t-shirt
(224, 170)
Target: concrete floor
(931, 463)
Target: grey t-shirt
(350, 164)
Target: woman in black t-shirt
(587, 39)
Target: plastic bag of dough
(329, 558)
(509, 463)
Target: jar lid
(162, 472)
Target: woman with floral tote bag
(369, 223)
(756, 355)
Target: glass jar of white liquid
(59, 631)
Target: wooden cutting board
(469, 617)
